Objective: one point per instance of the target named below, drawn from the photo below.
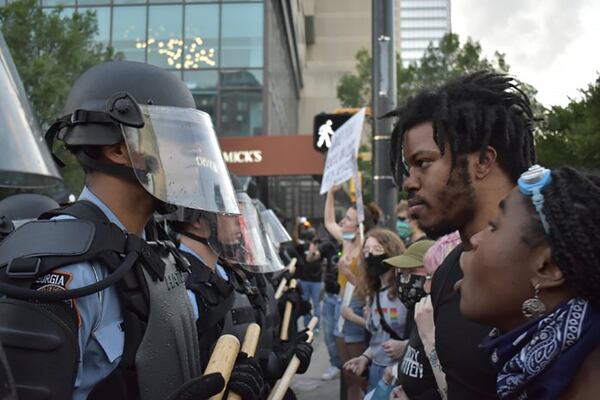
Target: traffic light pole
(384, 100)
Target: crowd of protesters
(488, 288)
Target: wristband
(367, 357)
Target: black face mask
(410, 289)
(375, 265)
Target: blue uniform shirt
(101, 336)
(218, 269)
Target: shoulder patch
(52, 282)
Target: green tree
(50, 51)
(438, 64)
(570, 135)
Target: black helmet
(172, 146)
(24, 206)
(100, 85)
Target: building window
(129, 32)
(165, 36)
(103, 19)
(52, 3)
(203, 85)
(129, 2)
(201, 36)
(242, 35)
(241, 113)
(92, 2)
(242, 78)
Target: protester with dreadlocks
(459, 149)
(540, 255)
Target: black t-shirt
(414, 371)
(469, 372)
(305, 270)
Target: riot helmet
(20, 208)
(275, 229)
(172, 146)
(25, 161)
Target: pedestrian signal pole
(384, 100)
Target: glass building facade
(421, 22)
(218, 47)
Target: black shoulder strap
(81, 209)
(382, 321)
(202, 274)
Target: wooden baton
(281, 288)
(248, 347)
(287, 314)
(282, 385)
(222, 359)
(292, 266)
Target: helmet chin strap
(197, 238)
(125, 172)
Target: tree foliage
(438, 64)
(570, 135)
(50, 51)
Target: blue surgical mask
(403, 228)
(348, 236)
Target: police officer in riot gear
(203, 237)
(24, 163)
(97, 302)
(248, 275)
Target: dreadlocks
(573, 213)
(469, 114)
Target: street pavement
(309, 386)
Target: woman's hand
(424, 320)
(357, 365)
(398, 394)
(394, 348)
(388, 374)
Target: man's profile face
(440, 200)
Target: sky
(553, 45)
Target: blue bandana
(539, 360)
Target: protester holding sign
(350, 339)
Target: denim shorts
(351, 332)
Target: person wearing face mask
(413, 283)
(350, 342)
(403, 227)
(387, 315)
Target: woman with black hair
(534, 274)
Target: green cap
(412, 257)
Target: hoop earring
(533, 308)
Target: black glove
(201, 388)
(247, 379)
(303, 351)
(299, 306)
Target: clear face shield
(275, 228)
(176, 157)
(242, 238)
(25, 160)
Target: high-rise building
(421, 22)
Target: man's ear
(116, 154)
(546, 272)
(485, 162)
